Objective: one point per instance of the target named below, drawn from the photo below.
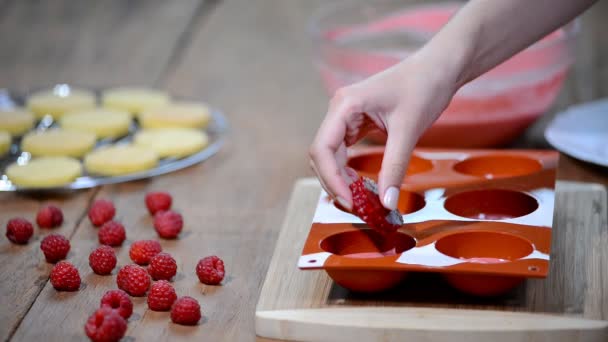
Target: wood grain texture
(575, 284)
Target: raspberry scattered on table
(161, 296)
(65, 277)
(102, 260)
(368, 207)
(168, 224)
(143, 250)
(101, 212)
(112, 233)
(162, 266)
(19, 230)
(55, 247)
(158, 201)
(186, 311)
(49, 216)
(134, 280)
(105, 325)
(118, 300)
(210, 270)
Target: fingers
(399, 146)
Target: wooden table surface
(251, 60)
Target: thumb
(399, 147)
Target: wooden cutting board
(571, 304)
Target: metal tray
(216, 131)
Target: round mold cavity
(408, 203)
(367, 243)
(367, 280)
(491, 204)
(483, 285)
(372, 162)
(497, 166)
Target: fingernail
(343, 203)
(391, 196)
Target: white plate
(582, 132)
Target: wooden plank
(574, 285)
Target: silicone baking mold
(481, 218)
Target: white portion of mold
(427, 256)
(313, 260)
(537, 255)
(442, 155)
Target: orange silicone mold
(481, 218)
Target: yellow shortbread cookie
(45, 172)
(134, 99)
(59, 100)
(182, 114)
(16, 121)
(58, 142)
(5, 142)
(105, 123)
(172, 142)
(120, 160)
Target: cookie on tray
(172, 142)
(59, 100)
(181, 114)
(45, 172)
(5, 142)
(16, 121)
(134, 99)
(104, 123)
(119, 160)
(58, 142)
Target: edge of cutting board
(290, 313)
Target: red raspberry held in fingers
(161, 296)
(134, 280)
(49, 217)
(186, 311)
(158, 201)
(112, 233)
(168, 224)
(367, 206)
(102, 260)
(19, 230)
(143, 250)
(65, 277)
(162, 266)
(55, 247)
(101, 212)
(210, 270)
(105, 325)
(118, 300)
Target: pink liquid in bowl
(489, 111)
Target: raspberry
(112, 233)
(210, 270)
(143, 250)
(105, 325)
(19, 230)
(186, 311)
(158, 201)
(367, 206)
(102, 260)
(134, 280)
(162, 266)
(55, 247)
(161, 296)
(65, 277)
(118, 300)
(101, 212)
(49, 217)
(168, 224)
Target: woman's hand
(402, 101)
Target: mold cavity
(491, 204)
(409, 202)
(484, 247)
(367, 243)
(498, 166)
(371, 163)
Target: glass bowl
(355, 40)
